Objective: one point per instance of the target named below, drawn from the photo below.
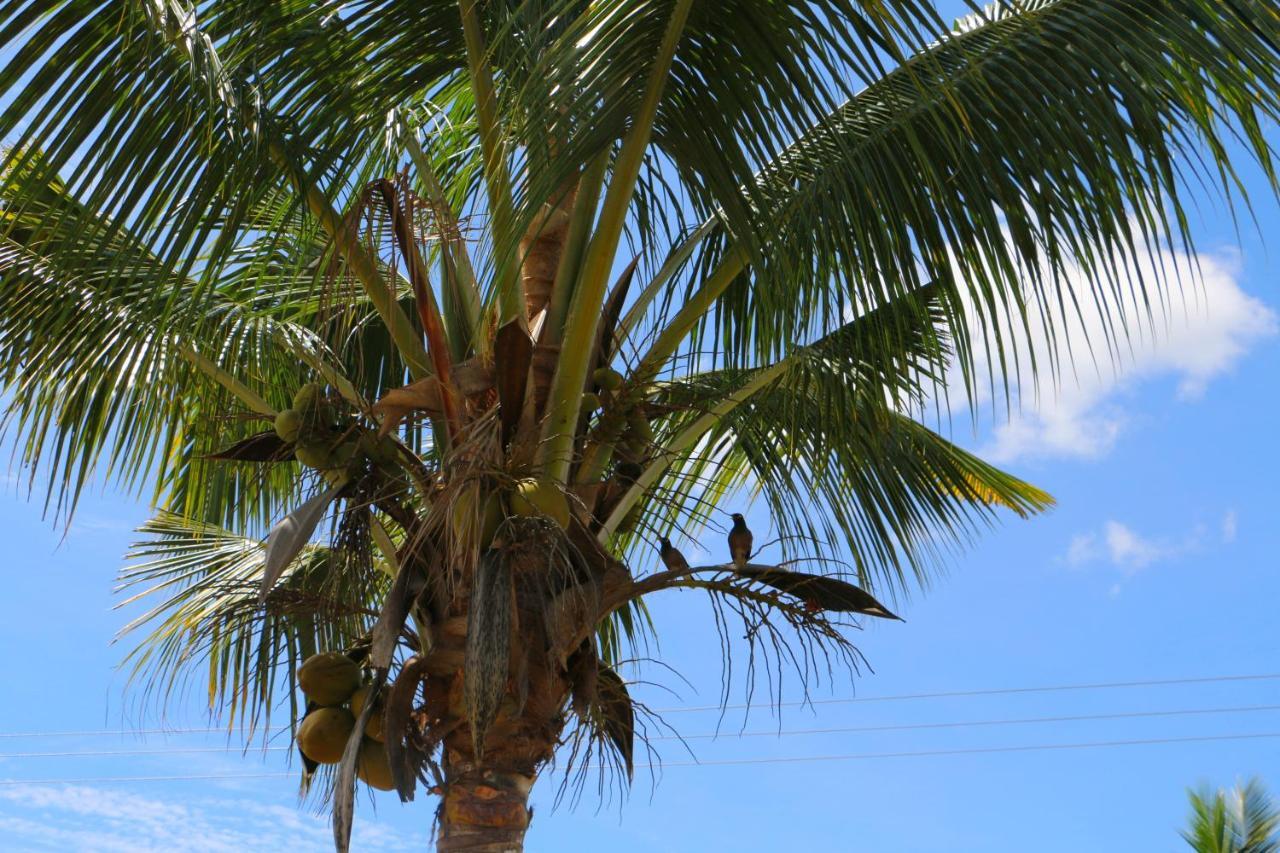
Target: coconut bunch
(338, 695)
(329, 440)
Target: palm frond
(103, 345)
(201, 584)
(1036, 132)
(830, 431)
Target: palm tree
(506, 291)
(1246, 820)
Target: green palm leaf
(824, 207)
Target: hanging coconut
(289, 424)
(608, 378)
(329, 678)
(380, 449)
(373, 728)
(314, 454)
(372, 766)
(466, 518)
(534, 498)
(323, 734)
(307, 397)
(345, 454)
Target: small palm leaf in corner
(1243, 820)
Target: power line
(104, 732)
(1128, 715)
(975, 751)
(112, 753)
(1104, 744)
(1123, 715)
(1004, 691)
(96, 780)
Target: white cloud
(1083, 549)
(99, 820)
(1230, 526)
(1126, 549)
(1200, 332)
(1130, 551)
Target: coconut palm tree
(463, 305)
(1245, 820)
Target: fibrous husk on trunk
(566, 615)
(488, 646)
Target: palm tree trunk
(484, 805)
(540, 250)
(485, 813)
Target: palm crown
(507, 290)
(1243, 820)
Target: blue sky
(1158, 563)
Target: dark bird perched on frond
(740, 541)
(671, 556)
(819, 592)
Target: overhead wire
(903, 697)
(932, 753)
(1003, 691)
(1121, 715)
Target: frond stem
(565, 399)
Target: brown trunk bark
(541, 249)
(485, 812)
(484, 801)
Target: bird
(740, 541)
(671, 556)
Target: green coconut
(307, 397)
(590, 402)
(381, 449)
(372, 728)
(289, 424)
(638, 425)
(608, 378)
(372, 766)
(323, 735)
(464, 515)
(344, 454)
(326, 415)
(314, 454)
(540, 498)
(329, 678)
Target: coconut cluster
(332, 681)
(325, 439)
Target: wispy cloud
(1198, 334)
(1230, 526)
(1124, 548)
(100, 820)
(1132, 551)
